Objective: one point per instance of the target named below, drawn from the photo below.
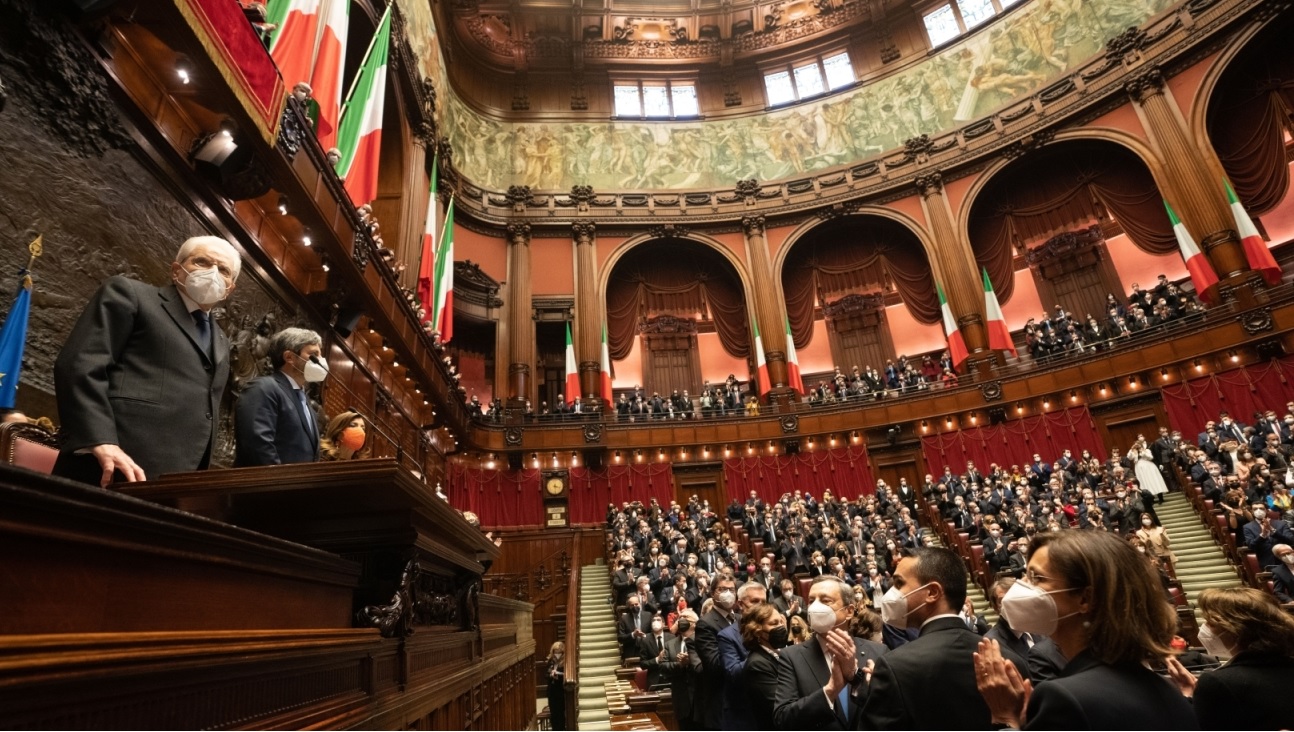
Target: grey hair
(746, 588)
(291, 339)
(193, 242)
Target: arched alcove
(682, 304)
(1067, 212)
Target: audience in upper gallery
(1066, 516)
(1144, 311)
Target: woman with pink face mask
(346, 438)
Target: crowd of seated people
(1144, 311)
(858, 586)
(903, 376)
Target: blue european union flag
(13, 339)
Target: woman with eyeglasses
(1098, 599)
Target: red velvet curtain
(500, 498)
(1251, 110)
(1058, 188)
(1240, 392)
(592, 490)
(845, 471)
(683, 280)
(856, 255)
(1014, 442)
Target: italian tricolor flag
(359, 137)
(999, 336)
(325, 79)
(956, 344)
(572, 371)
(606, 366)
(427, 262)
(442, 287)
(1202, 274)
(292, 46)
(793, 362)
(761, 365)
(1256, 251)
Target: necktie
(843, 699)
(203, 321)
(305, 411)
(1028, 639)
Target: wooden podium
(311, 596)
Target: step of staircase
(1201, 563)
(599, 648)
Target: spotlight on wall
(1103, 389)
(1163, 374)
(184, 69)
(1235, 357)
(283, 204)
(1132, 381)
(1198, 367)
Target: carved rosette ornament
(747, 189)
(360, 250)
(1257, 321)
(519, 197)
(667, 231)
(1145, 85)
(1126, 46)
(790, 423)
(918, 148)
(593, 432)
(753, 225)
(929, 184)
(991, 391)
(582, 195)
(1028, 143)
(512, 435)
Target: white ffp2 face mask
(1213, 645)
(1031, 610)
(894, 606)
(821, 617)
(314, 371)
(205, 286)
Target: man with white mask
(822, 683)
(274, 423)
(929, 683)
(140, 377)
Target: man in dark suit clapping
(912, 685)
(274, 424)
(140, 378)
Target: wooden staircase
(599, 650)
(1201, 563)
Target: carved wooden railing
(539, 582)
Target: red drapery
(845, 471)
(592, 490)
(1240, 392)
(500, 498)
(1014, 442)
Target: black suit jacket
(1283, 583)
(802, 671)
(758, 685)
(1247, 693)
(929, 683)
(710, 701)
(1093, 695)
(269, 425)
(649, 657)
(132, 373)
(683, 678)
(1045, 659)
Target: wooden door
(705, 481)
(891, 470)
(671, 362)
(1123, 430)
(859, 332)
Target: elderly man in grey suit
(140, 378)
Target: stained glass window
(808, 80)
(975, 12)
(779, 88)
(839, 71)
(655, 101)
(627, 102)
(941, 25)
(685, 104)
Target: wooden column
(954, 265)
(588, 316)
(1193, 190)
(770, 312)
(521, 325)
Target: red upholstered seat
(803, 588)
(640, 679)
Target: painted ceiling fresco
(986, 70)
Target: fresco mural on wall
(1010, 58)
